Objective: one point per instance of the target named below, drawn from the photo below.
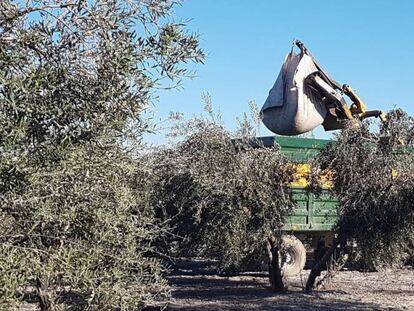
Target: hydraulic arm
(332, 94)
(304, 96)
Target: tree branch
(40, 8)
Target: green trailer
(308, 230)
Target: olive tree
(224, 198)
(75, 71)
(75, 79)
(82, 234)
(374, 181)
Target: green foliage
(374, 182)
(76, 71)
(75, 78)
(222, 196)
(83, 229)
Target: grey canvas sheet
(293, 107)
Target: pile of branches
(222, 197)
(374, 182)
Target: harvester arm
(332, 96)
(359, 107)
(333, 93)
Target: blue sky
(367, 44)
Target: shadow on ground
(222, 293)
(195, 287)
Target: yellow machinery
(332, 93)
(304, 97)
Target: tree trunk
(275, 275)
(320, 265)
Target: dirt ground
(196, 288)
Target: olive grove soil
(198, 290)
(195, 287)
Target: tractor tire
(292, 256)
